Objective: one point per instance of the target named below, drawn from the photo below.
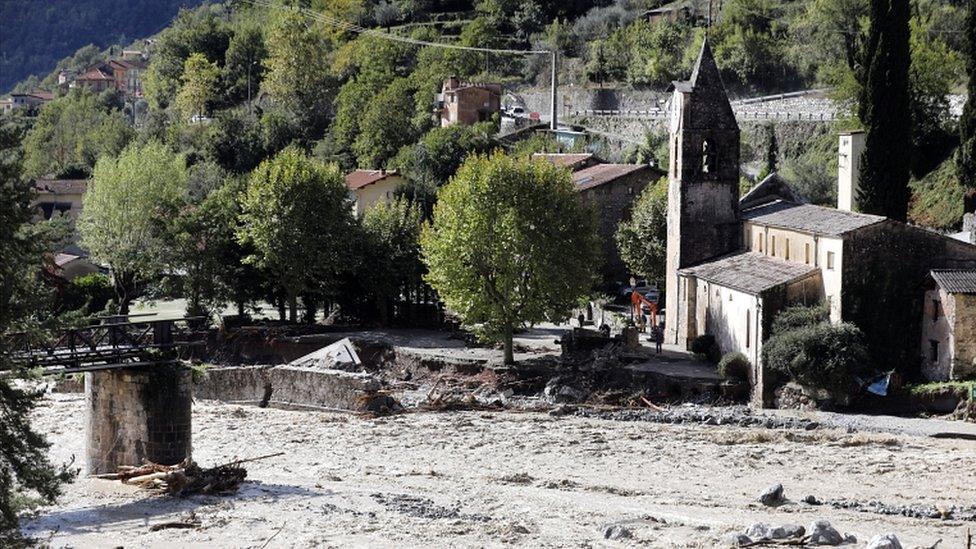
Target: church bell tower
(703, 183)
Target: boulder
(822, 533)
(884, 541)
(617, 531)
(739, 540)
(340, 355)
(762, 531)
(773, 496)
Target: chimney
(849, 167)
(969, 226)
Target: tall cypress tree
(966, 158)
(884, 111)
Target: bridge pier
(137, 414)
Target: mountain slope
(38, 33)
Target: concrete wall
(137, 415)
(381, 191)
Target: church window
(935, 310)
(708, 157)
(787, 253)
(759, 240)
(806, 253)
(830, 261)
(772, 247)
(933, 350)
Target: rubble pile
(740, 416)
(185, 478)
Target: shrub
(89, 293)
(800, 316)
(734, 366)
(706, 347)
(821, 356)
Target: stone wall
(137, 415)
(964, 359)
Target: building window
(759, 239)
(830, 261)
(787, 253)
(806, 253)
(936, 309)
(933, 350)
(748, 327)
(772, 247)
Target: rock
(762, 531)
(773, 496)
(884, 541)
(562, 410)
(850, 538)
(811, 500)
(617, 531)
(557, 391)
(822, 533)
(738, 540)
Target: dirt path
(492, 479)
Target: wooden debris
(186, 478)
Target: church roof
(809, 218)
(770, 189)
(749, 272)
(956, 281)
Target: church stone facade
(733, 264)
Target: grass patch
(962, 389)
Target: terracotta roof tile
(597, 175)
(749, 272)
(358, 179)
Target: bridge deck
(104, 346)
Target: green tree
(771, 159)
(244, 64)
(234, 140)
(439, 154)
(642, 240)
(71, 133)
(199, 86)
(203, 30)
(296, 215)
(966, 157)
(511, 244)
(127, 202)
(297, 73)
(386, 125)
(393, 266)
(25, 470)
(884, 110)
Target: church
(734, 262)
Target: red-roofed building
(32, 101)
(97, 78)
(467, 103)
(128, 75)
(372, 186)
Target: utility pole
(553, 124)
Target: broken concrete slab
(340, 355)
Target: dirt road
(493, 479)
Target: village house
(612, 190)
(128, 75)
(64, 196)
(370, 187)
(733, 264)
(949, 325)
(30, 101)
(97, 78)
(467, 102)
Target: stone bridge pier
(136, 415)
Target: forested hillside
(38, 33)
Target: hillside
(37, 34)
